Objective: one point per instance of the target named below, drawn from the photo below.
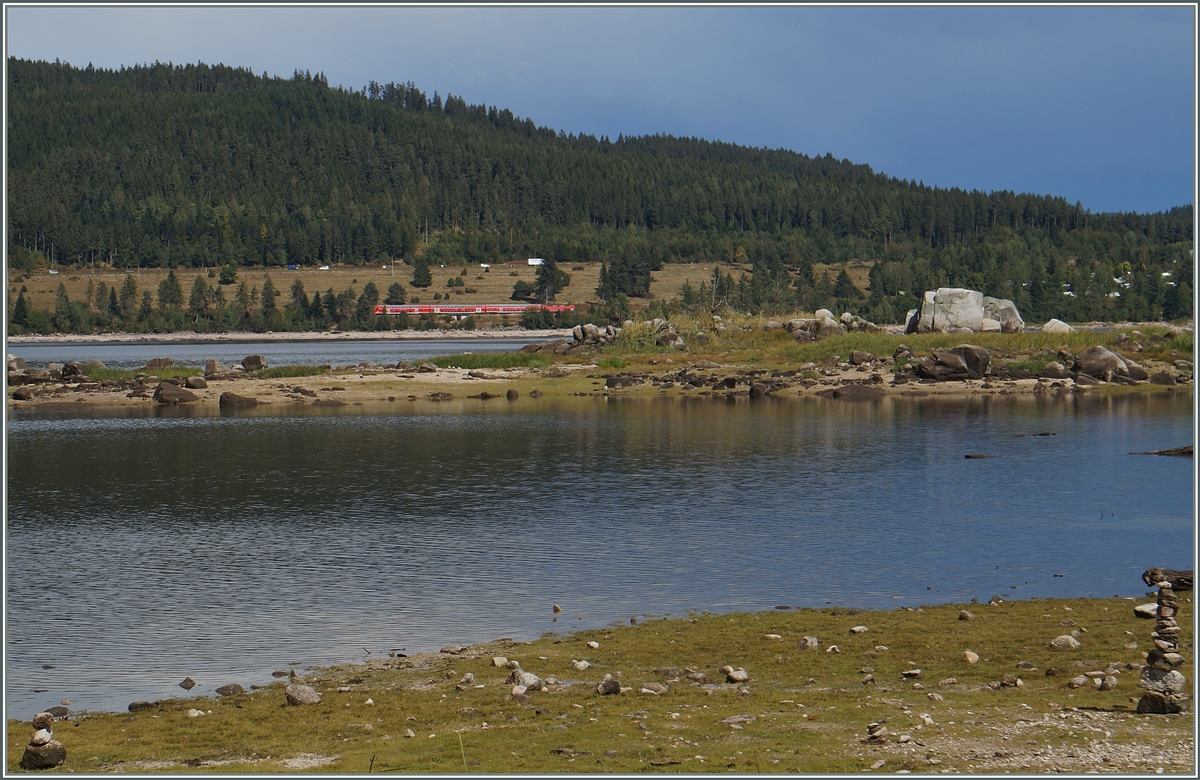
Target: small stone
(965, 615)
(858, 630)
(40, 737)
(187, 684)
(1149, 611)
(936, 697)
(43, 720)
(512, 394)
(499, 661)
(948, 681)
(1065, 642)
(195, 713)
(301, 694)
(608, 686)
(467, 679)
(233, 689)
(772, 637)
(580, 665)
(1109, 683)
(808, 643)
(654, 688)
(136, 706)
(517, 690)
(594, 645)
(1078, 682)
(738, 675)
(911, 674)
(832, 649)
(408, 734)
(970, 657)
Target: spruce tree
(421, 275)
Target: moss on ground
(801, 710)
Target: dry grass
(810, 708)
(492, 286)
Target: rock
(519, 690)
(772, 637)
(499, 661)
(1163, 378)
(427, 368)
(57, 711)
(936, 697)
(253, 363)
(1054, 370)
(594, 645)
(966, 361)
(858, 630)
(852, 393)
(1056, 326)
(654, 688)
(1146, 611)
(773, 325)
(1159, 704)
(1109, 683)
(467, 679)
(232, 689)
(911, 674)
(1160, 681)
(195, 383)
(858, 357)
(23, 394)
(15, 363)
(158, 364)
(608, 686)
(213, 367)
(168, 393)
(948, 681)
(1004, 312)
(195, 713)
(512, 394)
(965, 615)
(43, 720)
(45, 756)
(300, 694)
(40, 737)
(187, 684)
(738, 675)
(234, 401)
(137, 706)
(1101, 363)
(580, 665)
(1065, 642)
(531, 681)
(970, 657)
(950, 307)
(808, 643)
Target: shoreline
(191, 337)
(743, 691)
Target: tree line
(198, 166)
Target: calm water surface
(144, 547)
(276, 353)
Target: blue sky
(1093, 104)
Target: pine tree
(550, 281)
(421, 275)
(20, 312)
(395, 294)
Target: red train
(461, 309)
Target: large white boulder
(1056, 326)
(951, 307)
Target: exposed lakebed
(145, 548)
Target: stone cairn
(43, 751)
(1165, 685)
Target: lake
(277, 353)
(145, 547)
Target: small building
(536, 261)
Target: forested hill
(196, 165)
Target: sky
(1093, 104)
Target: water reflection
(144, 547)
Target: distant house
(536, 261)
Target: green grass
(117, 374)
(811, 706)
(285, 372)
(492, 360)
(611, 361)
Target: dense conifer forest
(198, 166)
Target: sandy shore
(190, 337)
